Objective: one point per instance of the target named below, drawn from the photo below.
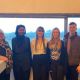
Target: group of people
(56, 57)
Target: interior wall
(39, 6)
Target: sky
(31, 24)
(8, 25)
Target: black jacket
(21, 52)
(63, 57)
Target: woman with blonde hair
(5, 53)
(58, 56)
(40, 58)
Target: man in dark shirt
(72, 44)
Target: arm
(30, 53)
(65, 56)
(48, 52)
(3, 58)
(13, 45)
(8, 54)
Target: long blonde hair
(52, 41)
(40, 28)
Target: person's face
(1, 36)
(56, 34)
(21, 31)
(72, 29)
(40, 33)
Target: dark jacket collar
(67, 35)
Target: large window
(8, 25)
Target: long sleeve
(30, 53)
(64, 57)
(48, 52)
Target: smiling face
(55, 33)
(40, 32)
(72, 29)
(21, 31)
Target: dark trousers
(56, 71)
(4, 75)
(72, 74)
(20, 74)
(40, 68)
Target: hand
(3, 58)
(78, 68)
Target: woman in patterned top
(40, 58)
(5, 51)
(58, 56)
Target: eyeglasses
(40, 30)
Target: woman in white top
(40, 58)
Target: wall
(39, 6)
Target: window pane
(8, 25)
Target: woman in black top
(21, 54)
(58, 56)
